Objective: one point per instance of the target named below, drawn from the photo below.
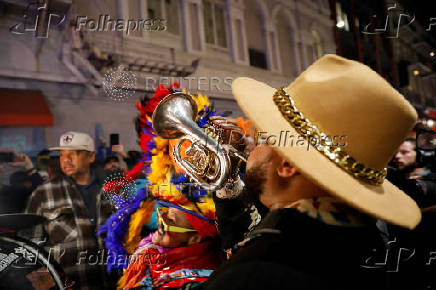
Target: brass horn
(209, 162)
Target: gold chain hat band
(311, 132)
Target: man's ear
(194, 239)
(92, 157)
(285, 169)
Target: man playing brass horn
(320, 231)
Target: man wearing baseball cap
(73, 207)
(323, 200)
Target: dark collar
(289, 220)
(93, 179)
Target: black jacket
(234, 218)
(412, 255)
(291, 250)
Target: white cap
(75, 141)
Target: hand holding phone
(114, 139)
(119, 149)
(21, 160)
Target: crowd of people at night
(357, 216)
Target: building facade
(205, 45)
(391, 40)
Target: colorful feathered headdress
(164, 181)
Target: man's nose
(66, 157)
(66, 160)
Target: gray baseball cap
(75, 141)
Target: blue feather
(116, 227)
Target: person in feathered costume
(183, 249)
(122, 230)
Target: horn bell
(173, 112)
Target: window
(172, 16)
(240, 43)
(287, 46)
(168, 10)
(135, 13)
(154, 9)
(257, 58)
(254, 28)
(220, 26)
(214, 23)
(193, 14)
(318, 44)
(163, 9)
(208, 22)
(274, 49)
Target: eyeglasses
(169, 228)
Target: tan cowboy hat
(339, 97)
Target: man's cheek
(251, 160)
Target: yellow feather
(206, 205)
(137, 220)
(161, 144)
(202, 101)
(160, 166)
(122, 283)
